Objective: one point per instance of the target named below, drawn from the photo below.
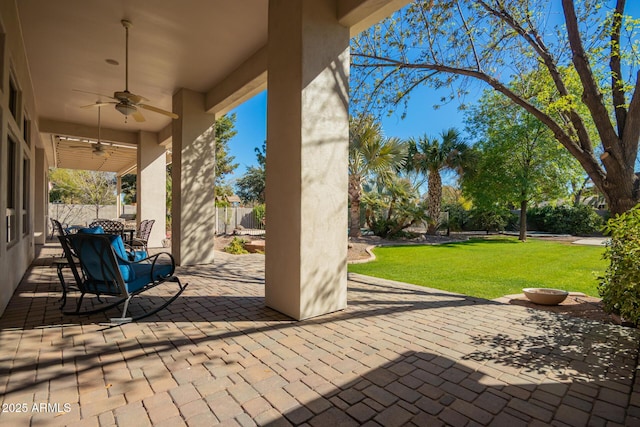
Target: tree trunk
(434, 197)
(354, 199)
(621, 191)
(578, 197)
(523, 221)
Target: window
(26, 130)
(12, 152)
(13, 98)
(25, 194)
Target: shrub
(575, 220)
(236, 247)
(389, 212)
(259, 213)
(489, 219)
(620, 286)
(388, 228)
(458, 216)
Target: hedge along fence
(575, 220)
(563, 219)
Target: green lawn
(490, 268)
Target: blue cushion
(97, 265)
(136, 276)
(117, 244)
(137, 255)
(92, 230)
(143, 275)
(122, 257)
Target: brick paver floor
(398, 355)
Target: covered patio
(163, 72)
(288, 338)
(397, 355)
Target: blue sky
(421, 118)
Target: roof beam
(246, 81)
(90, 132)
(165, 134)
(250, 78)
(358, 15)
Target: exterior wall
(16, 239)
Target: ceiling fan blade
(138, 117)
(95, 93)
(158, 110)
(98, 104)
(131, 97)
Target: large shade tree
(518, 161)
(84, 187)
(432, 156)
(437, 42)
(371, 156)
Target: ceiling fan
(98, 147)
(126, 102)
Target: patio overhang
(218, 48)
(198, 59)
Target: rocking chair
(105, 270)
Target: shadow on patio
(399, 354)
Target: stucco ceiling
(72, 45)
(173, 44)
(190, 44)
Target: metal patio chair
(106, 271)
(109, 226)
(142, 234)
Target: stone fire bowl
(545, 296)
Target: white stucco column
(151, 186)
(192, 205)
(307, 149)
(119, 194)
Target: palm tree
(431, 156)
(370, 154)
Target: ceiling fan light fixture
(99, 152)
(126, 109)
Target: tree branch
(617, 85)
(631, 133)
(585, 157)
(535, 41)
(466, 28)
(591, 95)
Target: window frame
(14, 98)
(12, 190)
(26, 192)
